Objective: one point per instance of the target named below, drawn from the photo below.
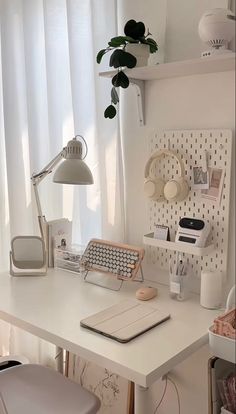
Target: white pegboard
(190, 145)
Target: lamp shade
(73, 169)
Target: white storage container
(222, 347)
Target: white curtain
(49, 91)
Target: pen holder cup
(179, 285)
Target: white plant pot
(140, 51)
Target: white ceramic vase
(140, 51)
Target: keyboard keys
(113, 259)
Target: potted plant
(127, 51)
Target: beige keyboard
(121, 260)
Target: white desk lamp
(28, 253)
(72, 170)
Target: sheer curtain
(50, 91)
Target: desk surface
(52, 306)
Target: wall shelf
(138, 76)
(212, 64)
(187, 248)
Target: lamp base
(216, 52)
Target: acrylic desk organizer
(69, 258)
(113, 260)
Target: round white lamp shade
(73, 169)
(217, 30)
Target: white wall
(194, 102)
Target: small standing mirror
(27, 256)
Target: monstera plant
(120, 58)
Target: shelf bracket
(140, 93)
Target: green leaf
(134, 29)
(130, 39)
(117, 41)
(120, 79)
(152, 45)
(120, 58)
(100, 55)
(110, 112)
(151, 41)
(114, 96)
(129, 60)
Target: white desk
(52, 306)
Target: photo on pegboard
(214, 191)
(200, 179)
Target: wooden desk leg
(142, 400)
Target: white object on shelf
(216, 30)
(187, 248)
(222, 347)
(193, 230)
(198, 66)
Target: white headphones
(155, 187)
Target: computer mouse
(146, 293)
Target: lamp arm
(36, 179)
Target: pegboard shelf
(198, 66)
(187, 248)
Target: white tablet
(125, 321)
